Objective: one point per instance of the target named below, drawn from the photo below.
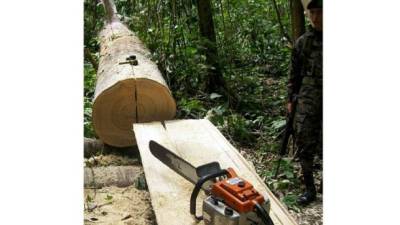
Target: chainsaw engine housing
(216, 212)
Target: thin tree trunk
(215, 81)
(111, 11)
(298, 23)
(278, 16)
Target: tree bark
(129, 87)
(92, 146)
(215, 79)
(120, 176)
(298, 23)
(111, 11)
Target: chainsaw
(230, 200)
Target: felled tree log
(129, 87)
(120, 176)
(92, 146)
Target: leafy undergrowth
(88, 94)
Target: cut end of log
(127, 92)
(114, 113)
(154, 101)
(127, 102)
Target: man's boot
(310, 194)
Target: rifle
(289, 121)
(288, 131)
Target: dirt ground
(310, 215)
(127, 205)
(131, 205)
(120, 206)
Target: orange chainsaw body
(237, 193)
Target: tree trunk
(298, 23)
(215, 79)
(92, 146)
(278, 16)
(120, 176)
(111, 10)
(129, 87)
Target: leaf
(215, 95)
(191, 50)
(89, 198)
(289, 174)
(108, 198)
(219, 110)
(290, 201)
(278, 124)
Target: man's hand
(289, 107)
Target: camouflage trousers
(308, 138)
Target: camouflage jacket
(305, 78)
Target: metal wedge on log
(129, 87)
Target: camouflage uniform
(306, 75)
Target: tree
(297, 16)
(215, 80)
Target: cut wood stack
(129, 87)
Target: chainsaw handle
(197, 188)
(260, 211)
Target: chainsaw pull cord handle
(263, 214)
(197, 188)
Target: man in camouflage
(305, 87)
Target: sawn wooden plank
(198, 142)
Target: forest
(224, 60)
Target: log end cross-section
(129, 87)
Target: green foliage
(239, 127)
(286, 169)
(286, 181)
(140, 182)
(191, 108)
(89, 82)
(89, 198)
(93, 21)
(290, 201)
(108, 198)
(278, 124)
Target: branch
(111, 10)
(283, 32)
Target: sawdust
(120, 176)
(111, 160)
(119, 206)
